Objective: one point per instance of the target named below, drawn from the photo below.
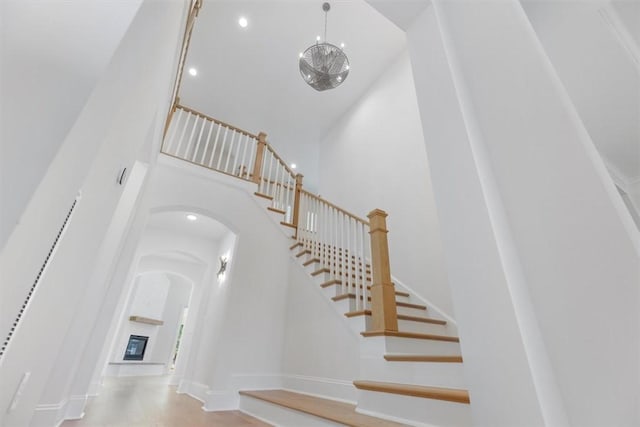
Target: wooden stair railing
(336, 238)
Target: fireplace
(135, 347)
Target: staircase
(410, 363)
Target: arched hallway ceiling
(177, 222)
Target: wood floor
(150, 402)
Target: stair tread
(440, 393)
(264, 196)
(295, 245)
(327, 409)
(276, 210)
(286, 224)
(303, 252)
(422, 358)
(414, 335)
(400, 317)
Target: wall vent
(22, 309)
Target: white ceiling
(250, 78)
(176, 222)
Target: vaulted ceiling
(249, 76)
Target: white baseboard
(229, 399)
(194, 389)
(329, 388)
(48, 415)
(75, 407)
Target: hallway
(150, 402)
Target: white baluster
(195, 151)
(174, 129)
(215, 145)
(252, 157)
(363, 243)
(243, 163)
(342, 240)
(224, 141)
(206, 145)
(193, 131)
(184, 130)
(235, 159)
(269, 180)
(230, 150)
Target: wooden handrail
(357, 218)
(287, 168)
(220, 122)
(194, 10)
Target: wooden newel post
(384, 315)
(257, 166)
(296, 202)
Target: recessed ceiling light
(342, 45)
(193, 71)
(317, 38)
(192, 217)
(293, 166)
(243, 22)
(300, 55)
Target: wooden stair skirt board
(413, 335)
(400, 317)
(439, 393)
(422, 358)
(331, 410)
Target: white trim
(194, 389)
(392, 418)
(75, 407)
(50, 414)
(612, 20)
(426, 302)
(322, 387)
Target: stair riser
(421, 327)
(413, 311)
(399, 345)
(418, 411)
(281, 416)
(450, 375)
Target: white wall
(107, 135)
(250, 304)
(321, 352)
(52, 56)
(375, 157)
(536, 236)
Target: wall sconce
(223, 266)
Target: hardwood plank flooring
(332, 410)
(150, 402)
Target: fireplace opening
(135, 347)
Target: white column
(539, 250)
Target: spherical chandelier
(323, 65)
